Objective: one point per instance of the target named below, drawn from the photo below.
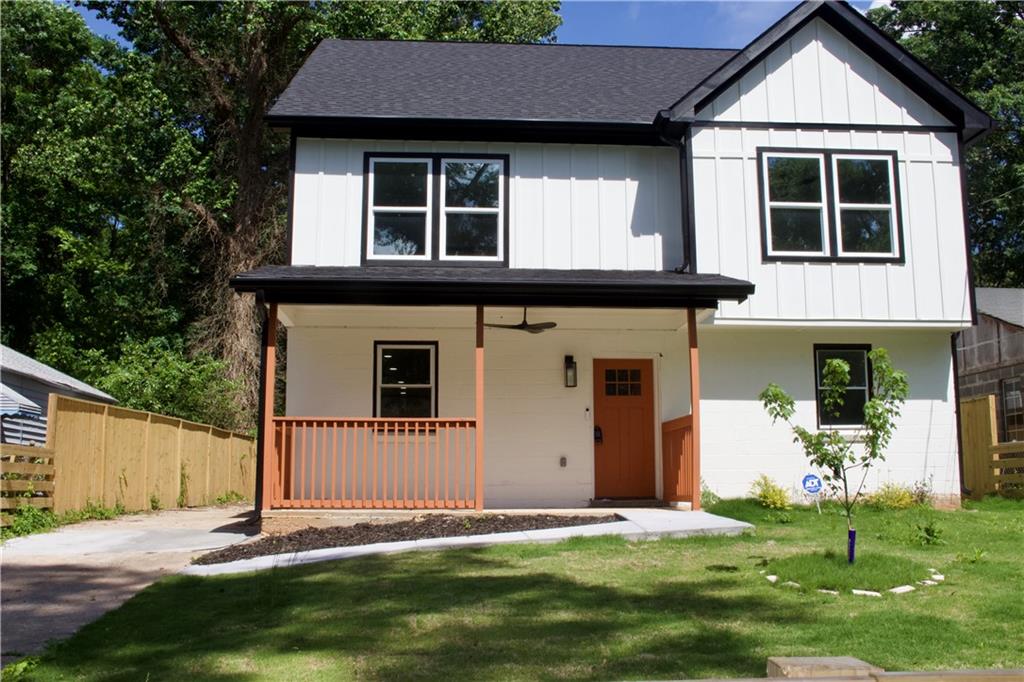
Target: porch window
(406, 379)
(399, 214)
(851, 413)
(795, 210)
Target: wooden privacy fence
(112, 455)
(989, 466)
(677, 459)
(374, 463)
(27, 476)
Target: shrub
(708, 497)
(892, 496)
(26, 520)
(929, 533)
(230, 497)
(922, 492)
(770, 494)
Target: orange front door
(623, 428)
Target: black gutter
(664, 127)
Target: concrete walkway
(637, 524)
(54, 583)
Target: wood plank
(27, 469)
(1009, 478)
(1011, 463)
(19, 486)
(1007, 448)
(16, 450)
(15, 502)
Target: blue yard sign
(812, 484)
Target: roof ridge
(489, 42)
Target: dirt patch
(420, 528)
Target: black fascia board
(456, 129)
(974, 121)
(428, 292)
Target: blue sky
(613, 22)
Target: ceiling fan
(533, 328)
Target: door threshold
(627, 502)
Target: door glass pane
(399, 234)
(866, 231)
(471, 234)
(797, 229)
(622, 382)
(472, 184)
(794, 179)
(400, 365)
(405, 402)
(399, 183)
(863, 181)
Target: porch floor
(636, 524)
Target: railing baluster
(445, 462)
(405, 467)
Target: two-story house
(542, 275)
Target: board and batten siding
(818, 77)
(606, 207)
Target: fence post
(978, 426)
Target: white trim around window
(497, 211)
(889, 207)
(819, 205)
(372, 209)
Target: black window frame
(436, 210)
(377, 345)
(831, 208)
(818, 347)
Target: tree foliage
(137, 181)
(838, 456)
(979, 48)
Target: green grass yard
(591, 609)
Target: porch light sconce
(570, 372)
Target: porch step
(605, 502)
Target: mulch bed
(420, 528)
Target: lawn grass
(831, 571)
(590, 609)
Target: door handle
(598, 435)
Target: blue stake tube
(851, 545)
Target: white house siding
(531, 418)
(818, 77)
(739, 442)
(571, 206)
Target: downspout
(953, 338)
(662, 122)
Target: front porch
(619, 419)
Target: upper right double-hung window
(830, 205)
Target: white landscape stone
(790, 583)
(938, 577)
(866, 593)
(926, 582)
(771, 578)
(932, 570)
(833, 592)
(902, 589)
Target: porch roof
(455, 285)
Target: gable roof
(14, 362)
(492, 81)
(859, 30)
(1003, 303)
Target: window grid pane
(796, 204)
(472, 209)
(405, 381)
(851, 412)
(400, 220)
(864, 205)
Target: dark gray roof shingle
(489, 81)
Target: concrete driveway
(54, 583)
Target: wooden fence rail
(109, 455)
(989, 466)
(27, 476)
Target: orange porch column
(691, 328)
(479, 493)
(267, 406)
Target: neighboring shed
(990, 357)
(25, 387)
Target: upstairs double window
(830, 206)
(436, 208)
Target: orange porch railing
(373, 463)
(677, 459)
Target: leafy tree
(979, 48)
(836, 455)
(220, 65)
